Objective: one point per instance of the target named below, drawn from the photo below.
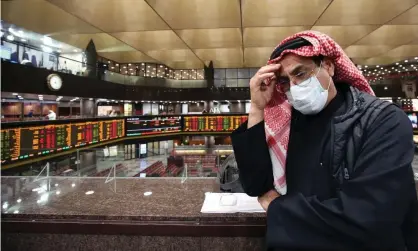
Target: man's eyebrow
(293, 72)
(297, 69)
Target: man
(329, 162)
(51, 115)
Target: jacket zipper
(331, 159)
(346, 175)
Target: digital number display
(112, 129)
(213, 123)
(10, 147)
(26, 142)
(153, 125)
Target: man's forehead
(290, 62)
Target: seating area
(208, 162)
(155, 170)
(173, 171)
(105, 172)
(158, 169)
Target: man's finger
(269, 68)
(264, 76)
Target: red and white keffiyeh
(277, 114)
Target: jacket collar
(356, 104)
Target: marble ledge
(120, 200)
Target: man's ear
(329, 66)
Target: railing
(78, 66)
(105, 162)
(18, 118)
(152, 82)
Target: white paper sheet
(230, 203)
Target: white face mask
(308, 97)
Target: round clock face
(55, 82)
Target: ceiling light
(406, 61)
(15, 94)
(75, 50)
(366, 66)
(10, 37)
(117, 64)
(23, 40)
(397, 63)
(89, 192)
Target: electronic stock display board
(137, 126)
(25, 142)
(221, 123)
(32, 141)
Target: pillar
(209, 74)
(87, 108)
(91, 58)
